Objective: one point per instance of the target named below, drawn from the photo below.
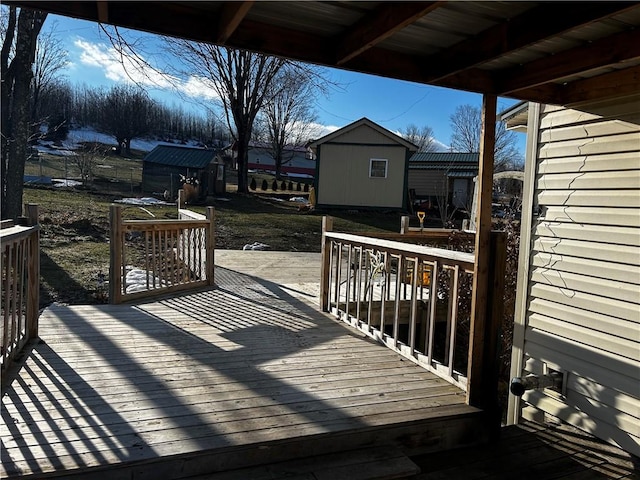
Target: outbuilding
(362, 165)
(163, 167)
(443, 176)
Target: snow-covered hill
(76, 137)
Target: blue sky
(394, 104)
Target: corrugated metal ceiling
(485, 47)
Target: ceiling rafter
(103, 11)
(551, 19)
(610, 50)
(618, 83)
(379, 25)
(231, 14)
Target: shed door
(460, 192)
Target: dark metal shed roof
(180, 156)
(444, 158)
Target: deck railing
(413, 298)
(20, 283)
(152, 257)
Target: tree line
(125, 112)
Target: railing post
(327, 226)
(115, 257)
(33, 273)
(211, 243)
(404, 224)
(180, 199)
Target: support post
(404, 224)
(33, 272)
(211, 244)
(327, 226)
(477, 395)
(115, 256)
(180, 199)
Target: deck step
(382, 463)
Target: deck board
(224, 373)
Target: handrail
(415, 299)
(20, 299)
(462, 259)
(163, 256)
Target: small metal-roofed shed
(362, 165)
(163, 166)
(443, 176)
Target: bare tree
(86, 159)
(16, 63)
(288, 113)
(242, 81)
(422, 137)
(465, 124)
(50, 59)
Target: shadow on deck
(245, 374)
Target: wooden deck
(240, 375)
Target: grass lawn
(75, 232)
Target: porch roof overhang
(548, 52)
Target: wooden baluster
(210, 242)
(414, 307)
(433, 304)
(115, 246)
(452, 325)
(326, 267)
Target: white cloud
(323, 130)
(198, 87)
(126, 68)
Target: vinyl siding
(582, 312)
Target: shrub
(299, 187)
(253, 185)
(274, 185)
(306, 187)
(265, 185)
(290, 186)
(283, 185)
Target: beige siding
(364, 134)
(344, 180)
(582, 312)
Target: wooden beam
(378, 25)
(610, 50)
(103, 11)
(476, 395)
(619, 83)
(231, 14)
(550, 19)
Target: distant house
(434, 176)
(163, 166)
(296, 160)
(362, 165)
